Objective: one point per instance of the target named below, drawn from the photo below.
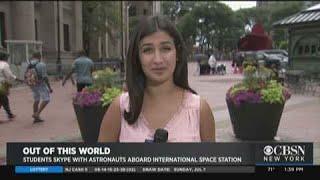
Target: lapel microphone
(160, 136)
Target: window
(66, 39)
(132, 11)
(101, 50)
(2, 30)
(306, 49)
(313, 49)
(36, 28)
(145, 11)
(307, 46)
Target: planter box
(89, 121)
(255, 121)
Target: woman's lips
(158, 69)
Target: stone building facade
(105, 48)
(38, 21)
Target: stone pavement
(299, 122)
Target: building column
(78, 26)
(47, 27)
(156, 7)
(23, 18)
(106, 47)
(61, 3)
(99, 47)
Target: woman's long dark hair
(135, 77)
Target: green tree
(212, 24)
(285, 9)
(177, 9)
(169, 8)
(281, 12)
(220, 27)
(188, 30)
(246, 17)
(99, 18)
(269, 15)
(215, 25)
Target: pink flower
(86, 98)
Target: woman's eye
(166, 48)
(147, 50)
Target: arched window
(307, 46)
(306, 49)
(313, 49)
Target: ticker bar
(159, 169)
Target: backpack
(31, 75)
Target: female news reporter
(158, 94)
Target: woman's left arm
(207, 124)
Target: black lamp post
(58, 53)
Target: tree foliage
(280, 12)
(220, 27)
(99, 18)
(209, 23)
(269, 15)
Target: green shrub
(109, 94)
(273, 93)
(257, 86)
(106, 78)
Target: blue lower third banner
(113, 157)
(38, 169)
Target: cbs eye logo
(268, 150)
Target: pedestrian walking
(6, 77)
(83, 68)
(212, 63)
(37, 78)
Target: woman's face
(157, 54)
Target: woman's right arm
(111, 123)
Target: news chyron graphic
(260, 79)
(287, 158)
(293, 153)
(35, 158)
(286, 154)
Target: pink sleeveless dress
(184, 126)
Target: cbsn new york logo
(284, 153)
